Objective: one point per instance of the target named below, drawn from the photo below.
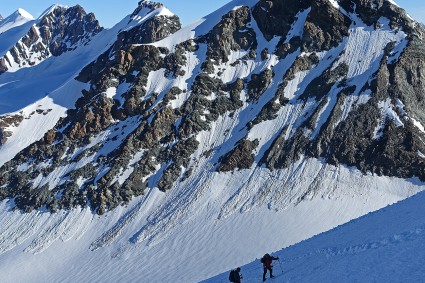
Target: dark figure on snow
(267, 260)
(234, 275)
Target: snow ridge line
(393, 240)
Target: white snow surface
(213, 222)
(385, 246)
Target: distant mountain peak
(145, 7)
(149, 3)
(21, 12)
(16, 19)
(58, 30)
(52, 8)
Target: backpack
(232, 276)
(263, 259)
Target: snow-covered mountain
(254, 128)
(19, 18)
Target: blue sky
(110, 12)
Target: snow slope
(13, 28)
(385, 246)
(128, 244)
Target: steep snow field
(386, 246)
(201, 238)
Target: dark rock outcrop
(370, 11)
(240, 157)
(259, 84)
(232, 33)
(275, 17)
(325, 27)
(151, 30)
(5, 122)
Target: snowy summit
(17, 19)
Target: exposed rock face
(259, 83)
(241, 157)
(306, 74)
(5, 123)
(275, 18)
(325, 27)
(1, 18)
(153, 29)
(60, 30)
(371, 10)
(231, 34)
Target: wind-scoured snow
(365, 49)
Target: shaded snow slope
(126, 245)
(385, 246)
(12, 29)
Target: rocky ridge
(354, 106)
(58, 30)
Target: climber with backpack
(267, 260)
(235, 276)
